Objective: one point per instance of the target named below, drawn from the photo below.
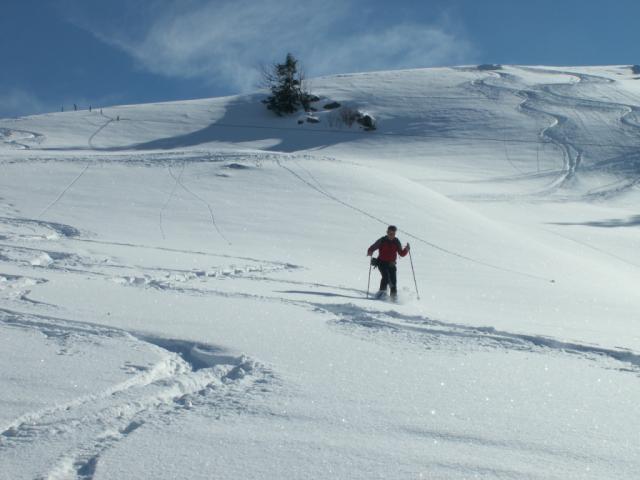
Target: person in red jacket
(389, 247)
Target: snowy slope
(183, 285)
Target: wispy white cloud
(404, 45)
(225, 42)
(15, 101)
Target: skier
(389, 247)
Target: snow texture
(183, 286)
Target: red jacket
(388, 249)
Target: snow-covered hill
(183, 285)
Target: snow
(183, 285)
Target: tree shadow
(247, 120)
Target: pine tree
(286, 85)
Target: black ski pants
(388, 272)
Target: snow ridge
(187, 375)
(428, 331)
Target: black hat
(392, 227)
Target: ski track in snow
(199, 198)
(189, 377)
(170, 196)
(102, 127)
(161, 278)
(19, 231)
(446, 251)
(564, 95)
(196, 283)
(569, 158)
(20, 139)
(600, 250)
(461, 338)
(89, 426)
(66, 189)
(535, 98)
(212, 255)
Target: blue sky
(61, 52)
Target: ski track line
(572, 154)
(392, 320)
(570, 159)
(564, 174)
(354, 316)
(182, 288)
(364, 317)
(488, 337)
(500, 179)
(511, 162)
(482, 334)
(189, 375)
(190, 252)
(102, 127)
(89, 162)
(611, 190)
(415, 237)
(166, 279)
(236, 294)
(165, 282)
(309, 174)
(59, 197)
(544, 133)
(213, 220)
(584, 244)
(506, 150)
(552, 89)
(600, 105)
(53, 327)
(34, 136)
(173, 191)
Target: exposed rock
(332, 105)
(367, 121)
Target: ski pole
(414, 274)
(369, 281)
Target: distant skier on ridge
(389, 247)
